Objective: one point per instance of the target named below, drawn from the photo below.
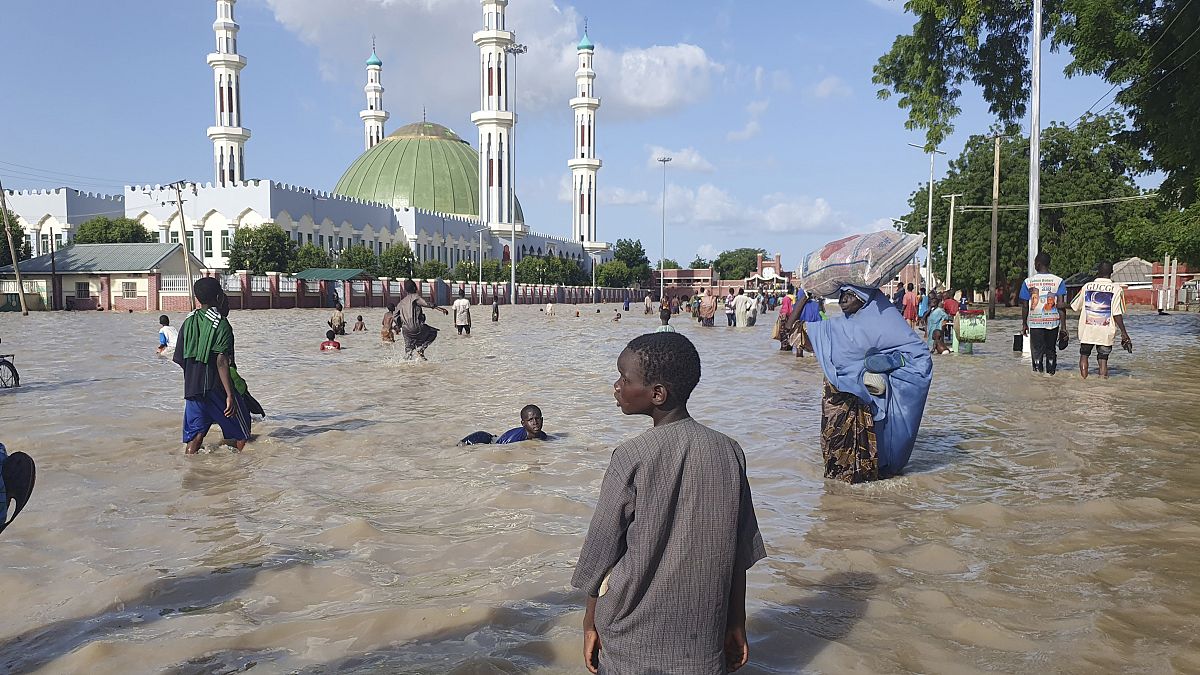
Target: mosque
(422, 184)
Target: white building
(420, 185)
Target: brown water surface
(1044, 525)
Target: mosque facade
(422, 184)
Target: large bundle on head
(869, 260)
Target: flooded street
(1043, 525)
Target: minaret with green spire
(374, 115)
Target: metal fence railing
(173, 283)
(232, 282)
(260, 283)
(287, 284)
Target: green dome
(585, 43)
(422, 165)
(374, 60)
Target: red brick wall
(138, 304)
(176, 303)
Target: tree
(18, 237)
(669, 264)
(494, 270)
(700, 263)
(633, 254)
(614, 274)
(359, 258)
(431, 269)
(533, 270)
(1135, 45)
(1078, 164)
(266, 248)
(466, 271)
(103, 230)
(308, 256)
(738, 263)
(397, 261)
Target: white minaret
(583, 162)
(494, 120)
(374, 116)
(228, 136)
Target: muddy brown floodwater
(1044, 525)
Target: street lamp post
(479, 254)
(514, 50)
(1035, 133)
(899, 225)
(662, 258)
(933, 153)
(950, 238)
(594, 257)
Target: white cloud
(621, 196)
(428, 55)
(781, 81)
(776, 213)
(759, 75)
(707, 251)
(831, 87)
(687, 159)
(753, 126)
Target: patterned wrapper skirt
(848, 443)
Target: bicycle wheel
(8, 375)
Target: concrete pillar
(385, 286)
(153, 283)
(273, 285)
(105, 292)
(347, 295)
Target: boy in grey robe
(665, 559)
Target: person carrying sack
(17, 474)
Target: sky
(767, 107)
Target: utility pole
(933, 153)
(53, 274)
(950, 239)
(1035, 133)
(183, 236)
(12, 251)
(995, 227)
(662, 258)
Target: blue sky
(767, 106)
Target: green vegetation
(266, 248)
(104, 230)
(359, 258)
(18, 237)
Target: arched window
(506, 258)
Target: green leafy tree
(738, 263)
(1138, 46)
(614, 274)
(700, 263)
(266, 248)
(669, 264)
(494, 270)
(633, 254)
(534, 270)
(18, 237)
(431, 269)
(397, 261)
(1078, 164)
(570, 273)
(309, 256)
(104, 230)
(360, 258)
(466, 271)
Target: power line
(1060, 205)
(69, 175)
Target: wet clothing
(462, 312)
(200, 414)
(517, 435)
(742, 306)
(673, 521)
(848, 443)
(1043, 347)
(938, 318)
(338, 322)
(878, 334)
(666, 328)
(167, 335)
(203, 335)
(1098, 302)
(386, 333)
(910, 306)
(495, 310)
(410, 319)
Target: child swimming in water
(167, 335)
(330, 344)
(359, 325)
(530, 429)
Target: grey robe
(673, 521)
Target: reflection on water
(1043, 525)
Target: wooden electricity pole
(12, 251)
(184, 239)
(995, 227)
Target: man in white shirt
(1044, 314)
(1101, 307)
(462, 313)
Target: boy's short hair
(391, 307)
(410, 286)
(530, 407)
(360, 317)
(670, 359)
(664, 315)
(329, 335)
(207, 290)
(164, 320)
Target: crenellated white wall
(58, 210)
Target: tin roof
(94, 258)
